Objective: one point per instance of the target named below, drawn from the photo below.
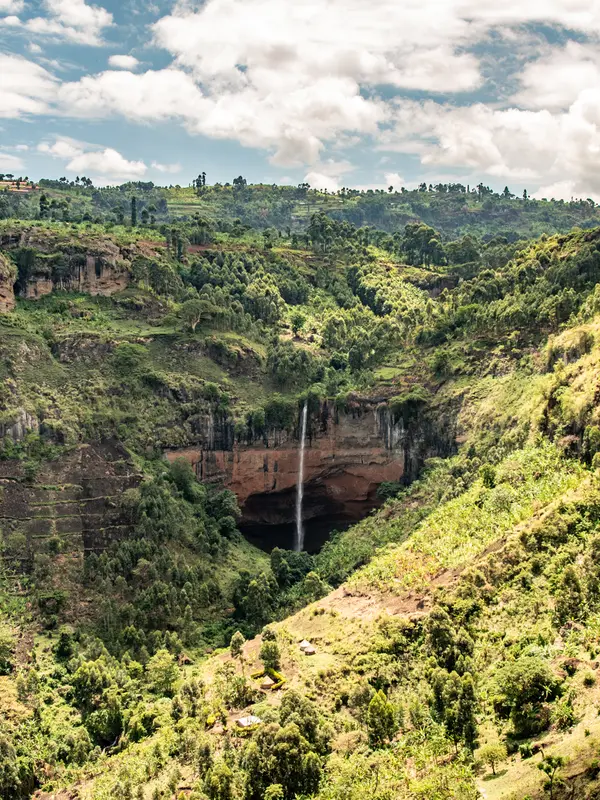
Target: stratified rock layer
(8, 274)
(74, 499)
(348, 455)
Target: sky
(356, 93)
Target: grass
(463, 528)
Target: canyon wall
(348, 454)
(71, 504)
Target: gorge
(349, 452)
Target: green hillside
(455, 629)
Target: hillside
(455, 210)
(153, 384)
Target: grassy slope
(438, 532)
(499, 532)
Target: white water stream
(299, 543)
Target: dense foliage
(462, 637)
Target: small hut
(304, 644)
(248, 722)
(309, 651)
(267, 683)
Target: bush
(527, 685)
(492, 754)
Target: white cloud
(11, 6)
(170, 169)
(22, 148)
(394, 179)
(294, 126)
(63, 147)
(73, 20)
(25, 87)
(10, 21)
(322, 182)
(83, 158)
(304, 79)
(328, 174)
(150, 96)
(10, 164)
(532, 147)
(123, 62)
(555, 81)
(294, 77)
(107, 162)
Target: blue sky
(362, 93)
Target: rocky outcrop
(348, 455)
(8, 273)
(72, 504)
(17, 425)
(76, 261)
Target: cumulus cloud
(83, 158)
(305, 80)
(10, 164)
(123, 62)
(25, 87)
(151, 96)
(555, 81)
(107, 162)
(532, 147)
(293, 126)
(328, 174)
(73, 20)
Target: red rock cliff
(345, 461)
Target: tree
(274, 792)
(219, 782)
(7, 646)
(381, 721)
(236, 647)
(526, 684)
(44, 206)
(162, 672)
(492, 754)
(133, 212)
(270, 655)
(194, 311)
(297, 321)
(551, 765)
(467, 706)
(9, 769)
(570, 596)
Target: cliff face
(59, 260)
(347, 456)
(8, 274)
(95, 265)
(72, 502)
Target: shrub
(527, 685)
(492, 754)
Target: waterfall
(299, 543)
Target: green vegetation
(453, 634)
